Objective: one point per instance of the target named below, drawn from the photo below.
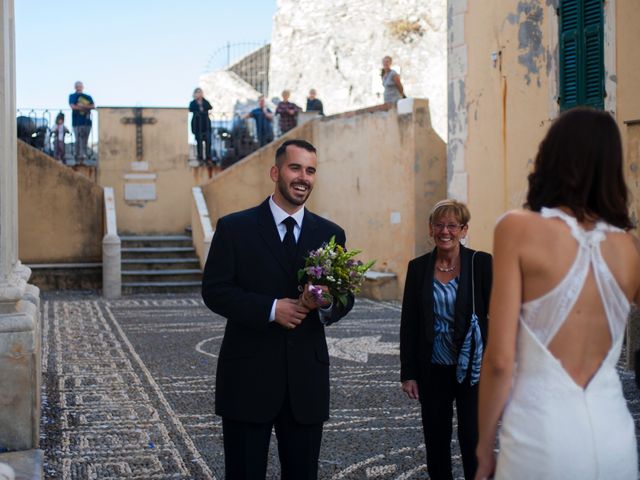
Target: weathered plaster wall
(502, 97)
(337, 49)
(627, 80)
(503, 89)
(60, 211)
(379, 174)
(632, 172)
(165, 151)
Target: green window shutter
(593, 54)
(569, 54)
(581, 53)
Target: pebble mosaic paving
(128, 386)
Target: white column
(12, 281)
(19, 302)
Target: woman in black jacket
(200, 124)
(442, 335)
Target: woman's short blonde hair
(453, 207)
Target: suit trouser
(82, 137)
(437, 398)
(246, 447)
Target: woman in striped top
(442, 336)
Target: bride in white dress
(565, 272)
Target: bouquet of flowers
(333, 266)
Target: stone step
(160, 263)
(154, 238)
(129, 241)
(185, 271)
(66, 276)
(158, 252)
(381, 286)
(166, 275)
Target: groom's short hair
(281, 153)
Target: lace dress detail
(553, 428)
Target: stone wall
(60, 211)
(153, 195)
(227, 92)
(337, 49)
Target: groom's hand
(290, 313)
(310, 301)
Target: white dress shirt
(279, 215)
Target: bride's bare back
(547, 252)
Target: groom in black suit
(273, 367)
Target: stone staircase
(159, 263)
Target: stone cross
(138, 120)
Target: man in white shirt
(273, 367)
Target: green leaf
(342, 299)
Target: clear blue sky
(127, 52)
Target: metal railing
(232, 138)
(37, 127)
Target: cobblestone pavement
(128, 393)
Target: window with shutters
(581, 53)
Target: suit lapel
(427, 296)
(307, 240)
(269, 232)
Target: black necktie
(289, 240)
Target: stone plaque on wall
(139, 166)
(139, 191)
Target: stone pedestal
(19, 374)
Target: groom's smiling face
(294, 178)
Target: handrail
(204, 228)
(111, 249)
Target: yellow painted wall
(165, 148)
(372, 167)
(510, 105)
(60, 211)
(628, 92)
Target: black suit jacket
(259, 362)
(200, 122)
(417, 321)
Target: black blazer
(417, 322)
(200, 122)
(260, 361)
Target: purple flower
(315, 272)
(316, 292)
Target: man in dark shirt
(314, 104)
(81, 104)
(288, 113)
(263, 117)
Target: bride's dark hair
(579, 165)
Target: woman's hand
(410, 387)
(486, 464)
